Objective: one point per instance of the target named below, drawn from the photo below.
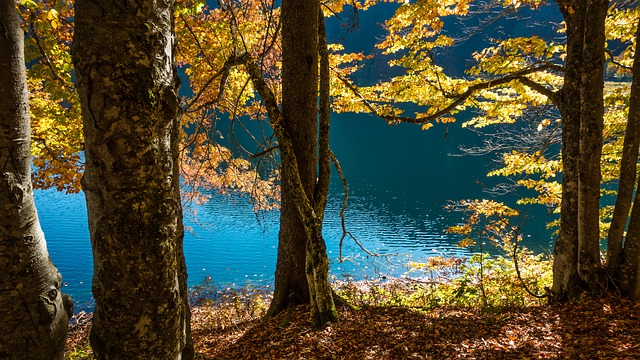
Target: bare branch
(616, 62)
(345, 232)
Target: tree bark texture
(34, 313)
(628, 170)
(126, 76)
(566, 281)
(591, 125)
(299, 109)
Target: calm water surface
(400, 179)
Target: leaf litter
(601, 328)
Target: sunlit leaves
(334, 7)
(484, 219)
(516, 163)
(415, 23)
(55, 112)
(620, 27)
(209, 168)
(210, 41)
(514, 54)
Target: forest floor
(603, 328)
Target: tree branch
(461, 98)
(552, 95)
(615, 62)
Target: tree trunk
(297, 135)
(34, 313)
(630, 268)
(299, 109)
(566, 281)
(628, 169)
(591, 125)
(629, 272)
(128, 83)
(322, 296)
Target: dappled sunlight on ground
(605, 328)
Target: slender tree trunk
(34, 313)
(566, 281)
(629, 272)
(299, 109)
(128, 83)
(630, 267)
(591, 125)
(322, 296)
(628, 169)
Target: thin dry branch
(346, 232)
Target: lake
(399, 176)
(400, 179)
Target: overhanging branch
(462, 97)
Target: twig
(345, 232)
(515, 263)
(261, 153)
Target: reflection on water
(400, 179)
(228, 242)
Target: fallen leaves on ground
(605, 328)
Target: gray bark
(630, 267)
(300, 113)
(577, 264)
(126, 76)
(34, 313)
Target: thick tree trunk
(34, 313)
(127, 80)
(628, 169)
(317, 270)
(297, 135)
(291, 286)
(591, 125)
(577, 253)
(299, 109)
(566, 281)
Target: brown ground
(606, 328)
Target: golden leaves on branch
(56, 124)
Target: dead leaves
(606, 328)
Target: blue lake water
(400, 178)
